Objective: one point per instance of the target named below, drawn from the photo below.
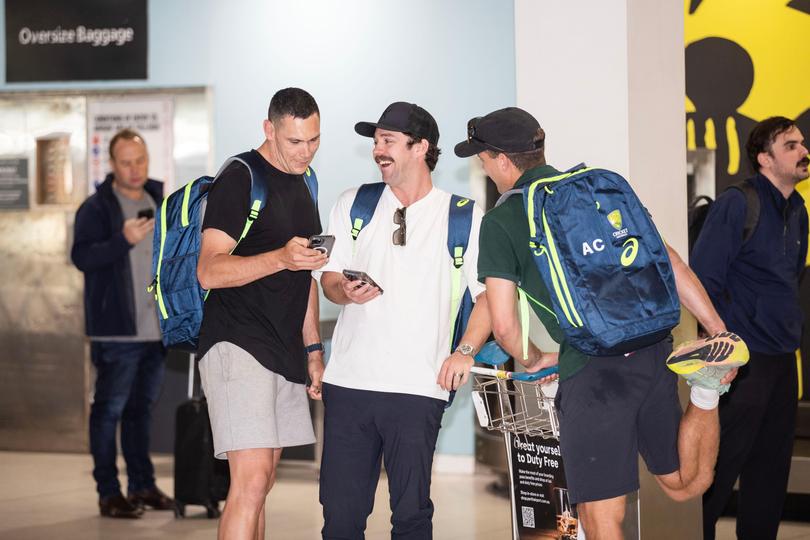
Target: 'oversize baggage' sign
(80, 40)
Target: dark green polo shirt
(504, 253)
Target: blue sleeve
(719, 243)
(94, 247)
(803, 235)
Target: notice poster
(13, 184)
(541, 508)
(153, 118)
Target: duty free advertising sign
(541, 508)
(79, 40)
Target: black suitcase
(199, 478)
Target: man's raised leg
(698, 442)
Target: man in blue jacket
(113, 248)
(754, 285)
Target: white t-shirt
(398, 341)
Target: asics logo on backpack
(630, 251)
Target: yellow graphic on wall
(746, 60)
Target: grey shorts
(249, 405)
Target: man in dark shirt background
(112, 246)
(261, 316)
(754, 285)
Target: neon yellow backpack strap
(158, 294)
(455, 289)
(523, 304)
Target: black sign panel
(541, 508)
(79, 40)
(13, 183)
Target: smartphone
(322, 243)
(147, 213)
(356, 275)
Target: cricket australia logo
(615, 219)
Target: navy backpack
(177, 239)
(611, 282)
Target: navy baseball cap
(404, 118)
(509, 130)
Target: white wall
(572, 76)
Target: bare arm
(218, 269)
(693, 296)
(341, 291)
(312, 334)
(477, 331)
(502, 301)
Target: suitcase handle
(191, 358)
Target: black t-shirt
(264, 317)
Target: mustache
(382, 158)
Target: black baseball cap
(509, 130)
(404, 118)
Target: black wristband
(314, 347)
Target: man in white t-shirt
(387, 381)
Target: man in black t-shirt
(261, 316)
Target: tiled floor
(51, 496)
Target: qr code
(527, 513)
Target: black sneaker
(151, 497)
(117, 506)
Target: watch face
(465, 349)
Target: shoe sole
(725, 350)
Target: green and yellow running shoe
(704, 362)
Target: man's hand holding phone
(322, 243)
(136, 229)
(297, 255)
(358, 287)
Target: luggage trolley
(514, 404)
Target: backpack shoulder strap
(507, 194)
(364, 205)
(459, 224)
(258, 188)
(577, 167)
(311, 180)
(752, 207)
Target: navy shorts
(610, 411)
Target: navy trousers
(757, 425)
(128, 381)
(361, 430)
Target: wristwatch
(466, 349)
(314, 347)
